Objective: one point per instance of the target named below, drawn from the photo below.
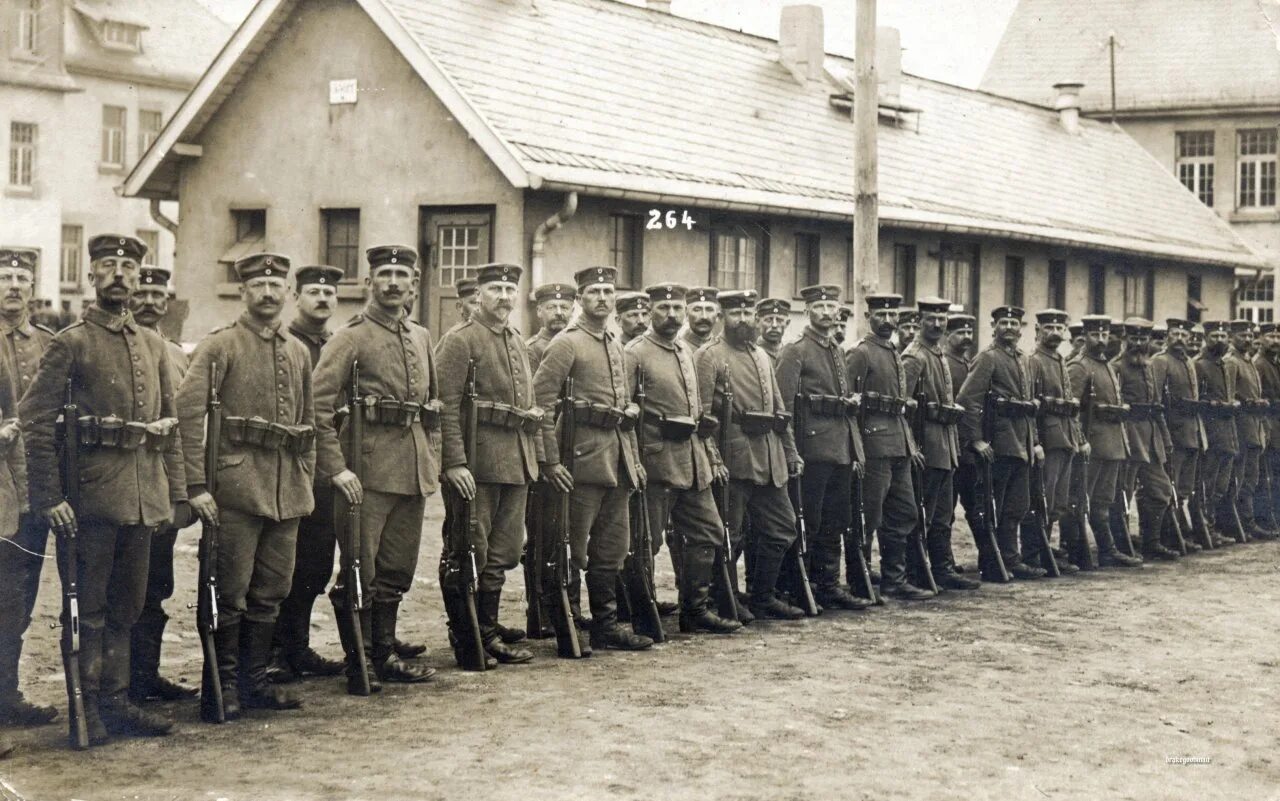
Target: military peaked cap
(960, 322)
(1239, 324)
(818, 292)
(317, 274)
(1215, 325)
(115, 245)
(703, 294)
(154, 275)
(382, 255)
(773, 306)
(668, 290)
(466, 287)
(1178, 323)
(18, 257)
(592, 276)
(1096, 322)
(555, 292)
(1008, 313)
(630, 301)
(933, 305)
(883, 300)
(1266, 328)
(262, 264)
(506, 273)
(1052, 317)
(739, 299)
(1137, 326)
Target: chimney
(659, 5)
(889, 64)
(800, 42)
(1067, 105)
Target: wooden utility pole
(866, 212)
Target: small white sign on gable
(342, 92)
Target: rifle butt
(212, 681)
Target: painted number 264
(659, 220)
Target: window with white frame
(459, 252)
(737, 257)
(341, 247)
(958, 275)
(27, 30)
(1139, 298)
(151, 239)
(1256, 299)
(149, 125)
(114, 127)
(122, 36)
(1257, 168)
(72, 260)
(1195, 163)
(22, 154)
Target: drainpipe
(160, 218)
(544, 230)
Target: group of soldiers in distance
(696, 427)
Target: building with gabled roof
(1195, 83)
(560, 133)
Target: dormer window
(122, 36)
(112, 25)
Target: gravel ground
(1095, 687)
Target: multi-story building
(85, 87)
(1195, 82)
(566, 133)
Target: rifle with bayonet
(797, 555)
(1175, 511)
(67, 542)
(462, 575)
(728, 601)
(1079, 490)
(987, 499)
(561, 558)
(856, 545)
(920, 530)
(1040, 508)
(354, 534)
(212, 707)
(637, 571)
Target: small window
(1195, 163)
(113, 133)
(1057, 284)
(22, 154)
(904, 272)
(122, 36)
(149, 125)
(1195, 303)
(1015, 269)
(626, 249)
(808, 267)
(1257, 168)
(1256, 299)
(152, 240)
(70, 267)
(1138, 296)
(1097, 289)
(249, 227)
(341, 245)
(958, 275)
(28, 27)
(737, 257)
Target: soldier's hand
(859, 470)
(1086, 450)
(559, 477)
(204, 506)
(9, 431)
(917, 458)
(721, 473)
(60, 517)
(1037, 453)
(984, 451)
(641, 476)
(348, 483)
(462, 481)
(796, 468)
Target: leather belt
(832, 405)
(1013, 409)
(256, 432)
(1146, 411)
(1060, 407)
(1111, 412)
(876, 403)
(504, 415)
(947, 414)
(604, 416)
(116, 433)
(1257, 408)
(757, 424)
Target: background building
(85, 87)
(1196, 83)
(566, 133)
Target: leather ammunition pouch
(946, 414)
(113, 432)
(875, 403)
(1143, 412)
(1111, 412)
(602, 415)
(831, 405)
(1217, 410)
(1012, 409)
(708, 425)
(1256, 408)
(781, 422)
(504, 415)
(754, 424)
(1059, 407)
(1186, 407)
(255, 432)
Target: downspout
(161, 220)
(540, 235)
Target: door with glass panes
(454, 243)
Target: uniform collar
(602, 335)
(494, 326)
(23, 327)
(544, 334)
(1051, 353)
(112, 322)
(315, 337)
(264, 331)
(887, 344)
(375, 312)
(673, 345)
(1011, 352)
(824, 340)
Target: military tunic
(1060, 435)
(1094, 381)
(1176, 374)
(1251, 433)
(537, 345)
(693, 341)
(1217, 378)
(1148, 446)
(1267, 496)
(928, 378)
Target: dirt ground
(1071, 688)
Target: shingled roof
(1171, 54)
(612, 99)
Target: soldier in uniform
(1076, 330)
(682, 464)
(507, 449)
(1148, 439)
(908, 326)
(1002, 371)
(607, 468)
(1175, 374)
(13, 487)
(400, 462)
(774, 315)
(1195, 343)
(468, 295)
(554, 308)
(128, 488)
(1059, 432)
(1217, 379)
(841, 328)
(266, 461)
(760, 459)
(315, 299)
(703, 312)
(829, 444)
(1094, 381)
(1266, 503)
(149, 305)
(959, 343)
(22, 343)
(1250, 427)
(928, 378)
(1159, 337)
(633, 315)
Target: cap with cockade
(1117, 326)
(960, 322)
(738, 299)
(1159, 331)
(383, 255)
(18, 257)
(1096, 322)
(1197, 330)
(317, 274)
(262, 264)
(773, 306)
(631, 301)
(1216, 325)
(908, 316)
(702, 294)
(820, 292)
(465, 287)
(845, 314)
(1179, 324)
(667, 290)
(1008, 313)
(933, 305)
(1266, 328)
(106, 246)
(499, 273)
(1052, 317)
(154, 275)
(593, 276)
(1240, 325)
(1076, 329)
(555, 292)
(882, 300)
(1137, 326)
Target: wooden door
(454, 242)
